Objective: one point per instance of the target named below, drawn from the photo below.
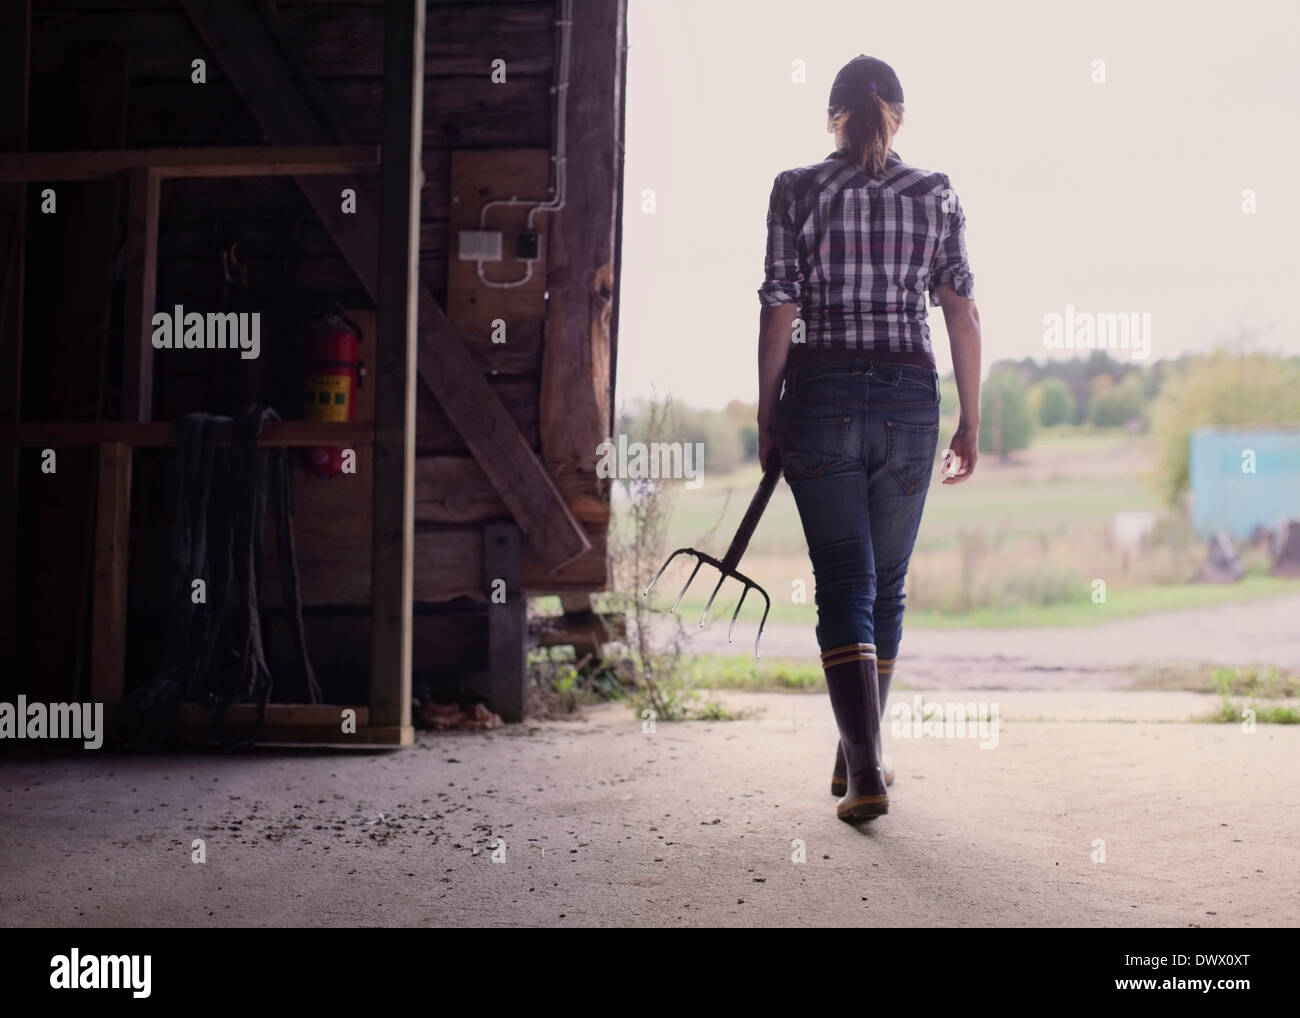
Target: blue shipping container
(1226, 495)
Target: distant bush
(1117, 404)
(729, 436)
(1053, 403)
(1005, 423)
(1223, 389)
(1083, 378)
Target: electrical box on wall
(487, 245)
(497, 253)
(479, 245)
(528, 245)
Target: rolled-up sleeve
(950, 264)
(782, 280)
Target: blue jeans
(858, 445)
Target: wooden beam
(575, 389)
(335, 39)
(468, 111)
(520, 478)
(15, 33)
(171, 163)
(140, 289)
(247, 54)
(453, 489)
(159, 434)
(434, 432)
(448, 565)
(393, 527)
(298, 724)
(618, 213)
(317, 715)
(334, 564)
(314, 715)
(585, 632)
(507, 621)
(112, 539)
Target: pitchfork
(727, 566)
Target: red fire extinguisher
(334, 372)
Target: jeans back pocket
(910, 454)
(810, 445)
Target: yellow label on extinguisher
(329, 398)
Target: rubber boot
(855, 699)
(840, 775)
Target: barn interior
(408, 213)
(308, 333)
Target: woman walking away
(855, 243)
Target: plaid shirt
(859, 255)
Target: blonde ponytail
(867, 133)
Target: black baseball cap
(859, 78)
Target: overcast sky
(1117, 197)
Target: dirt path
(1098, 657)
(693, 825)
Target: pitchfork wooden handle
(753, 514)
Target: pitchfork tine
(667, 563)
(732, 628)
(689, 580)
(721, 580)
(727, 564)
(767, 608)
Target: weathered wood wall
(294, 270)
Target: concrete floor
(695, 824)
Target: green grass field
(1018, 545)
(1121, 603)
(1061, 483)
